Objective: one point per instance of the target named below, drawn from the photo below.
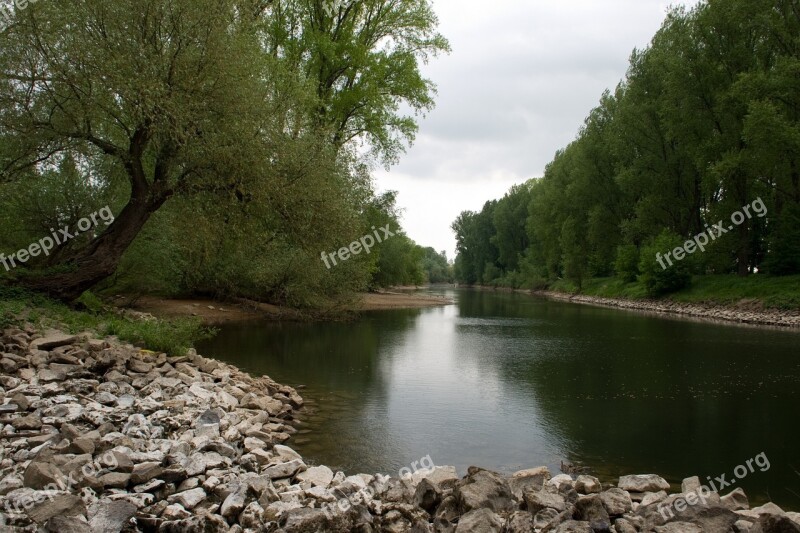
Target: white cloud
(522, 77)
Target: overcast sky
(522, 77)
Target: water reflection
(507, 381)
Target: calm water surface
(507, 381)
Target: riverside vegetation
(233, 141)
(704, 123)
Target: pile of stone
(764, 317)
(101, 437)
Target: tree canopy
(704, 124)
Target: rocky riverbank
(743, 314)
(101, 437)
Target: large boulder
(643, 483)
(480, 521)
(483, 489)
(772, 523)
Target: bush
(627, 263)
(659, 280)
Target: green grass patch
(770, 292)
(173, 336)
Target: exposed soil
(215, 313)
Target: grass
(174, 337)
(770, 292)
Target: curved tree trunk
(99, 260)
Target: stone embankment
(743, 314)
(100, 437)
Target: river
(509, 381)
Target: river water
(509, 381)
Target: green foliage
(229, 137)
(706, 122)
(175, 337)
(436, 267)
(657, 279)
(627, 263)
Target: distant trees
(705, 122)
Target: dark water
(507, 381)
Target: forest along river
(509, 381)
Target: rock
(10, 483)
(520, 522)
(532, 479)
(39, 475)
(772, 523)
(139, 367)
(588, 485)
(286, 453)
(27, 423)
(114, 480)
(175, 512)
(654, 497)
(643, 483)
(189, 499)
(58, 504)
(690, 484)
(483, 489)
(318, 476)
(443, 477)
(536, 500)
(303, 519)
(624, 526)
(480, 521)
(68, 524)
(144, 472)
(52, 340)
(573, 526)
(427, 496)
(616, 501)
(105, 398)
(679, 527)
(235, 502)
(285, 470)
(735, 500)
(197, 524)
(769, 508)
(561, 479)
(544, 518)
(110, 516)
(590, 509)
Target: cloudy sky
(522, 77)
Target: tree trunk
(99, 259)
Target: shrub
(627, 263)
(659, 280)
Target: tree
(238, 99)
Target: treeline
(704, 124)
(232, 139)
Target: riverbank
(745, 313)
(100, 436)
(214, 313)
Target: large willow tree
(158, 99)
